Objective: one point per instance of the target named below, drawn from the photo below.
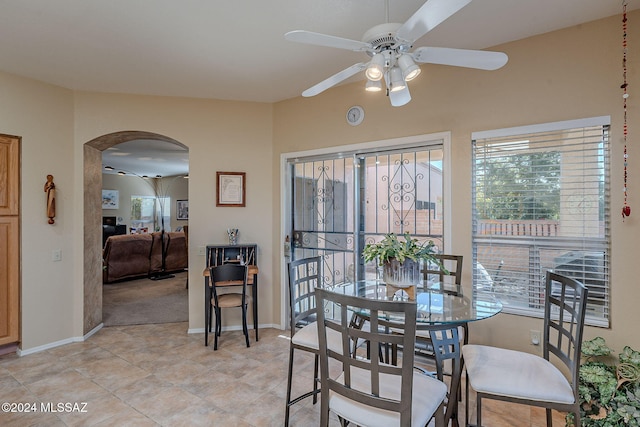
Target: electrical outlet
(535, 337)
(201, 250)
(56, 255)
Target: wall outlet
(56, 255)
(201, 250)
(535, 337)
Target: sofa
(137, 255)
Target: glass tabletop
(434, 306)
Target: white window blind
(540, 202)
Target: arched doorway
(92, 270)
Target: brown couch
(137, 255)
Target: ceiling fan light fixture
(396, 80)
(373, 86)
(410, 69)
(375, 69)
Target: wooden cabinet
(10, 239)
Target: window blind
(540, 202)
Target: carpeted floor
(144, 301)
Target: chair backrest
(564, 312)
(450, 280)
(446, 349)
(224, 275)
(304, 277)
(380, 334)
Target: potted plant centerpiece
(400, 260)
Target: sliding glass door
(339, 203)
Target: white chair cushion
(516, 374)
(428, 393)
(308, 337)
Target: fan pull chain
(626, 209)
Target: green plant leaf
(595, 347)
(630, 356)
(391, 247)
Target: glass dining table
(437, 309)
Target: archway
(92, 308)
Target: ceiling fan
(389, 47)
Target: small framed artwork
(110, 199)
(182, 209)
(231, 187)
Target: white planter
(401, 275)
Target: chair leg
(466, 403)
(478, 410)
(210, 317)
(289, 379)
(324, 411)
(207, 328)
(217, 332)
(316, 378)
(244, 324)
(549, 420)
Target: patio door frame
(440, 138)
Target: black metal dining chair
(304, 277)
(520, 377)
(228, 276)
(369, 392)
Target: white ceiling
(143, 157)
(235, 49)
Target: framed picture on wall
(182, 209)
(110, 199)
(231, 188)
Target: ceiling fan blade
(432, 13)
(481, 59)
(308, 37)
(400, 98)
(334, 80)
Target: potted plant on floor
(400, 260)
(609, 392)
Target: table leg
(255, 304)
(207, 308)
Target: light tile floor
(149, 375)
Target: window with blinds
(540, 202)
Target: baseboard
(21, 352)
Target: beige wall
(43, 116)
(563, 75)
(568, 74)
(221, 136)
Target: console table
(224, 253)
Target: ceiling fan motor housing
(383, 37)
